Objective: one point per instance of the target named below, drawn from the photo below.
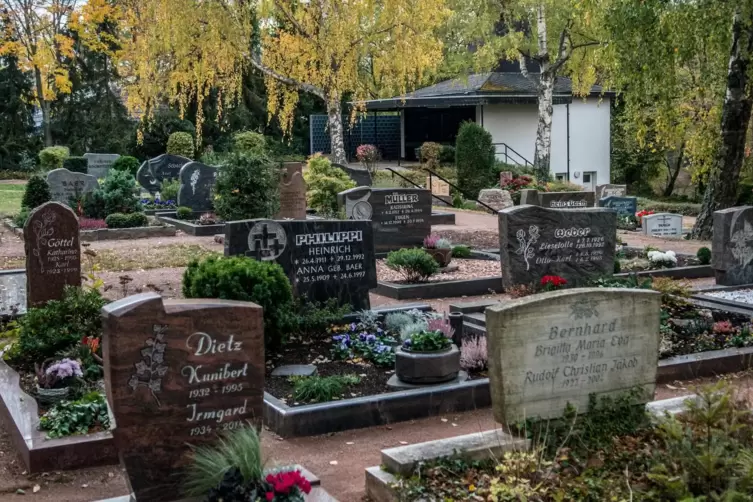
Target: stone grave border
(442, 289)
(382, 482)
(723, 303)
(19, 413)
(442, 217)
(109, 234)
(171, 218)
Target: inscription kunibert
(226, 379)
(581, 355)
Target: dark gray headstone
(12, 292)
(574, 244)
(401, 217)
(196, 184)
(625, 206)
(732, 246)
(322, 258)
(566, 200)
(100, 163)
(154, 171)
(360, 176)
(610, 190)
(65, 184)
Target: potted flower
(552, 282)
(440, 249)
(54, 381)
(427, 357)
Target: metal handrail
(432, 173)
(414, 184)
(507, 148)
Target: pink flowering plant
(58, 374)
(368, 156)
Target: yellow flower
(472, 488)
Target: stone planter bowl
(442, 256)
(427, 367)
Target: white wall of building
(589, 135)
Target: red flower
(270, 496)
(284, 482)
(554, 280)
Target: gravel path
(466, 269)
(739, 295)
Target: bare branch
(317, 91)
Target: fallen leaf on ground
(333, 462)
(36, 488)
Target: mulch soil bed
(458, 269)
(373, 380)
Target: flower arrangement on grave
(365, 340)
(666, 259)
(627, 222)
(640, 214)
(427, 341)
(552, 282)
(54, 380)
(208, 219)
(158, 204)
(439, 248)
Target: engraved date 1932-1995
(225, 389)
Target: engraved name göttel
(225, 379)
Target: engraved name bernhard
(201, 344)
(335, 241)
(565, 347)
(401, 198)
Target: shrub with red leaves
(91, 224)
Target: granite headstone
(496, 198)
(610, 190)
(555, 349)
(360, 176)
(178, 373)
(12, 292)
(625, 206)
(401, 217)
(292, 192)
(663, 225)
(732, 246)
(322, 258)
(154, 171)
(65, 184)
(100, 163)
(574, 244)
(196, 186)
(53, 252)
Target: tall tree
(721, 190)
(547, 34)
(323, 47)
(37, 34)
(16, 114)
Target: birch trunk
(544, 130)
(44, 106)
(721, 191)
(335, 122)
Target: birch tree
(179, 50)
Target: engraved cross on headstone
(262, 244)
(663, 219)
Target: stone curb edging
(170, 218)
(108, 234)
(382, 482)
(691, 272)
(19, 413)
(440, 289)
(442, 217)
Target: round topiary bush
(249, 142)
(246, 279)
(52, 157)
(416, 265)
(180, 143)
(323, 183)
(184, 213)
(120, 220)
(247, 187)
(474, 154)
(37, 193)
(704, 255)
(126, 163)
(119, 193)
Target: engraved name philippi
(329, 238)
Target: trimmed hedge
(126, 163)
(76, 164)
(120, 220)
(684, 208)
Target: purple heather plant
(473, 354)
(441, 324)
(430, 241)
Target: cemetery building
(505, 104)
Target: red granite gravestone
(292, 192)
(53, 252)
(178, 372)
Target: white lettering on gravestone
(329, 238)
(663, 225)
(401, 198)
(568, 203)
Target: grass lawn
(10, 198)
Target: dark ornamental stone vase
(442, 256)
(427, 367)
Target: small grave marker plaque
(576, 245)
(53, 252)
(65, 184)
(610, 190)
(663, 225)
(625, 206)
(178, 372)
(551, 349)
(438, 187)
(292, 192)
(401, 217)
(732, 246)
(196, 184)
(323, 258)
